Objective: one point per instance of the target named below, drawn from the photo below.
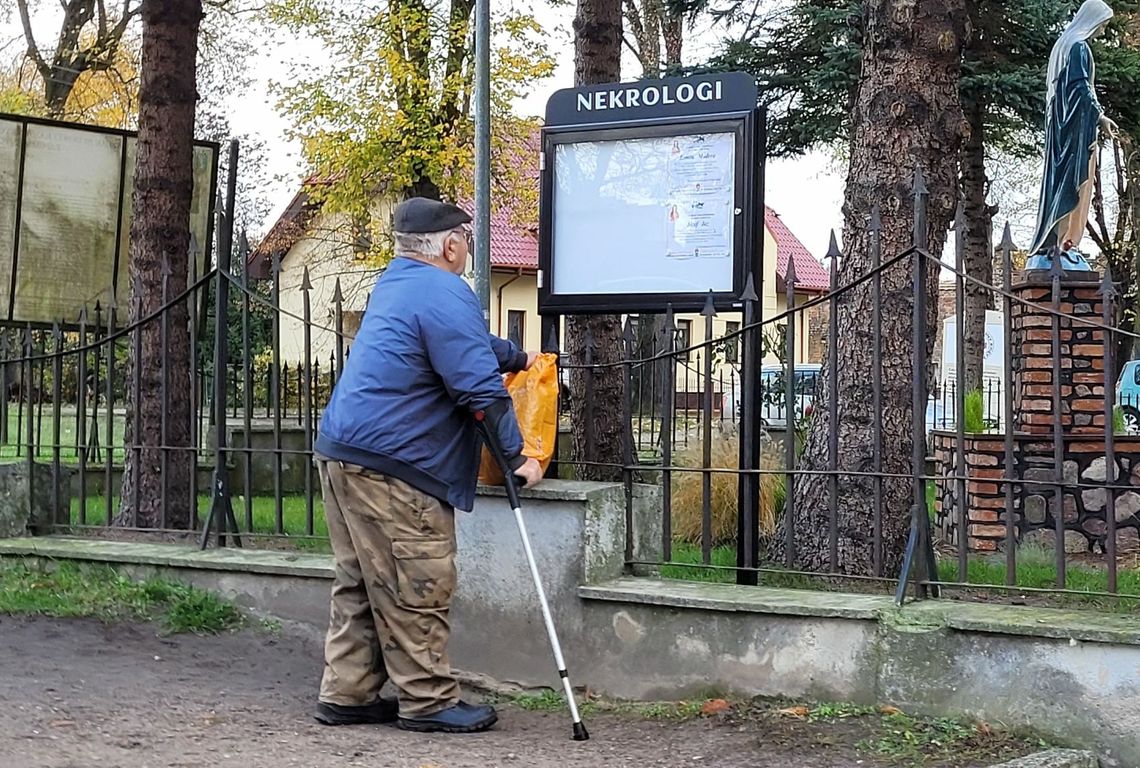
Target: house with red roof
(304, 238)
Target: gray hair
(426, 245)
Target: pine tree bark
(160, 237)
(977, 257)
(596, 416)
(907, 113)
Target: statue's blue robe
(1070, 138)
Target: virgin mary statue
(1072, 117)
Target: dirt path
(82, 694)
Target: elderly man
(398, 453)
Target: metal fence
(1030, 483)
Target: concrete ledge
(172, 556)
(1055, 758)
(735, 598)
(559, 490)
(1022, 621)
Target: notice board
(648, 206)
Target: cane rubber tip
(580, 732)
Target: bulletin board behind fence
(65, 209)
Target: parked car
(773, 410)
(1128, 395)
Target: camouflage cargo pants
(395, 573)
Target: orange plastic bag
(535, 396)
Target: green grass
(687, 555)
(1036, 569)
(17, 443)
(264, 508)
(554, 701)
(684, 553)
(104, 593)
(880, 736)
(902, 740)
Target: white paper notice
(701, 193)
(645, 215)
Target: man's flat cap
(421, 215)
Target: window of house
(516, 327)
(732, 345)
(684, 336)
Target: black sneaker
(382, 711)
(459, 718)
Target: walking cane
(492, 441)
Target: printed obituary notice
(645, 215)
(701, 197)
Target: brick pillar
(1081, 350)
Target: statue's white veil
(1091, 15)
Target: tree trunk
(160, 237)
(673, 32)
(907, 114)
(978, 257)
(596, 419)
(644, 23)
(648, 379)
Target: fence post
(26, 391)
(338, 314)
(1108, 314)
(589, 344)
(1007, 247)
(247, 379)
(1055, 272)
(164, 388)
(306, 394)
(748, 513)
(961, 467)
(876, 235)
(221, 504)
(59, 515)
(833, 255)
(110, 416)
(275, 393)
(627, 440)
(790, 402)
(919, 543)
(197, 315)
(709, 315)
(4, 386)
(81, 391)
(668, 393)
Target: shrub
(975, 412)
(688, 490)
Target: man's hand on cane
(531, 473)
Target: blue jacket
(421, 364)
